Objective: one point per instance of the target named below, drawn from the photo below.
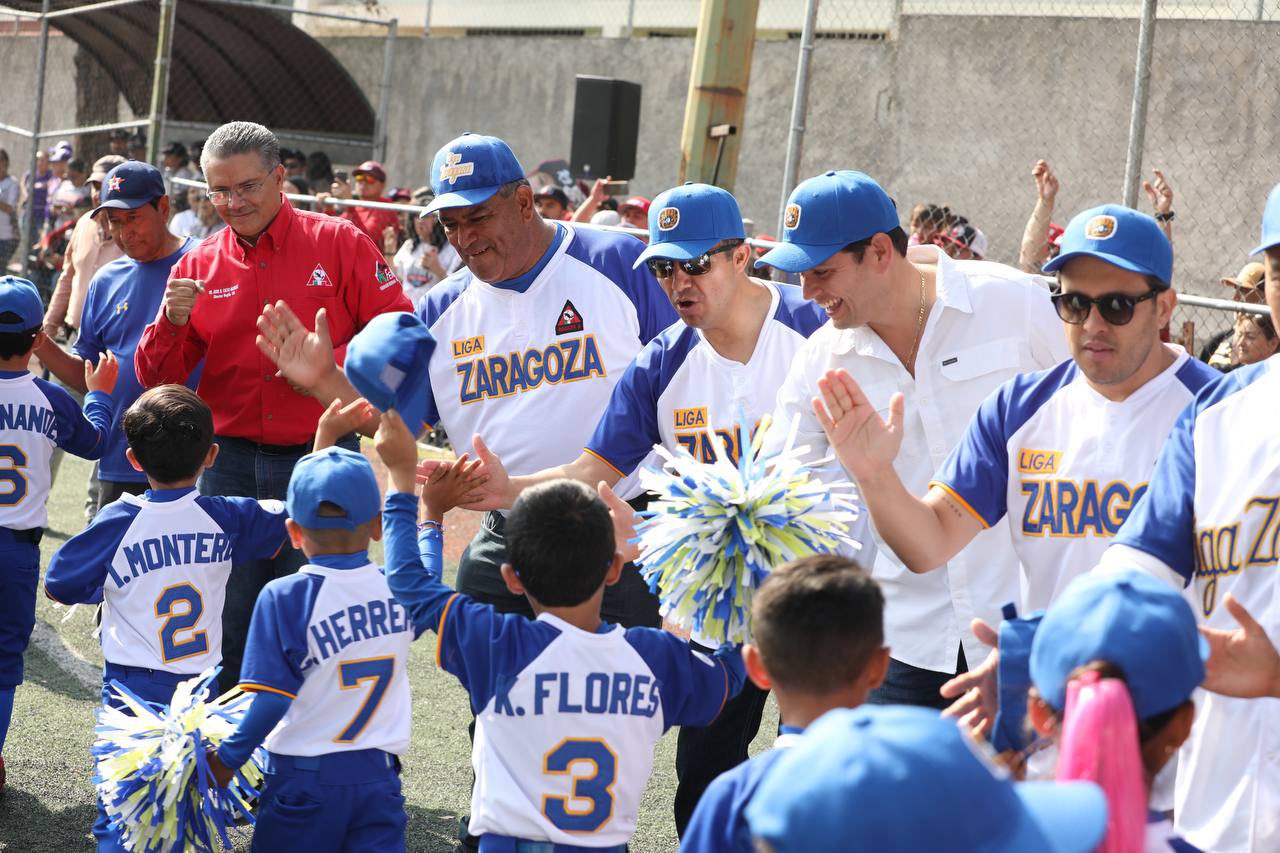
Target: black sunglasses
(664, 267)
(1116, 308)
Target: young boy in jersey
(818, 629)
(35, 417)
(327, 656)
(159, 562)
(568, 707)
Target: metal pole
(1257, 14)
(426, 25)
(1138, 115)
(384, 94)
(631, 19)
(160, 78)
(799, 107)
(29, 216)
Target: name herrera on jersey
(494, 376)
(376, 618)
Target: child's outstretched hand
(398, 450)
(339, 420)
(624, 523)
(452, 484)
(103, 377)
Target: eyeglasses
(1115, 308)
(665, 267)
(223, 197)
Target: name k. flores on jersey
(1065, 508)
(631, 694)
(494, 376)
(377, 618)
(1227, 550)
(174, 549)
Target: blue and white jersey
(123, 298)
(1211, 518)
(680, 392)
(159, 564)
(566, 720)
(35, 417)
(1065, 464)
(529, 364)
(719, 823)
(333, 639)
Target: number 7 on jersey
(352, 674)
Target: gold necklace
(915, 345)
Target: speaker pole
(718, 91)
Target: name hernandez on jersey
(680, 392)
(1066, 463)
(160, 563)
(543, 351)
(35, 417)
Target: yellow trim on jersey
(444, 614)
(612, 467)
(250, 687)
(951, 493)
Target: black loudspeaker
(606, 128)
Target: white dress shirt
(989, 322)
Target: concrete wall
(953, 110)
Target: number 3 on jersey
(591, 804)
(183, 606)
(353, 674)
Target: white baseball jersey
(529, 364)
(35, 417)
(1210, 518)
(680, 392)
(989, 323)
(159, 564)
(566, 720)
(333, 639)
(1065, 464)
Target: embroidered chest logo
(384, 275)
(570, 320)
(319, 278)
(454, 168)
(122, 306)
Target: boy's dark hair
(169, 430)
(13, 344)
(560, 542)
(817, 621)
(897, 236)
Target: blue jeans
(905, 684)
(244, 469)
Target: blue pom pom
(718, 529)
(153, 772)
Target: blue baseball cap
(1132, 620)
(387, 362)
(899, 778)
(827, 213)
(339, 476)
(1122, 237)
(130, 185)
(469, 170)
(688, 220)
(1270, 222)
(19, 296)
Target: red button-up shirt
(373, 220)
(309, 260)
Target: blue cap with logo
(19, 296)
(689, 220)
(827, 213)
(387, 362)
(131, 185)
(469, 170)
(338, 476)
(894, 777)
(1270, 222)
(1122, 237)
(1132, 620)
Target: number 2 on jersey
(13, 483)
(353, 674)
(591, 804)
(183, 606)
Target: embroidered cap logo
(454, 168)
